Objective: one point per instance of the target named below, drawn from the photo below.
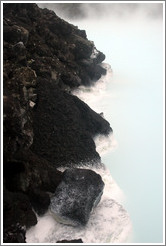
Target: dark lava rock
(17, 210)
(64, 127)
(15, 34)
(29, 172)
(40, 201)
(75, 197)
(45, 126)
(14, 234)
(71, 241)
(42, 64)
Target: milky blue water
(134, 107)
(133, 104)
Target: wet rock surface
(18, 209)
(78, 193)
(71, 241)
(64, 127)
(45, 126)
(14, 233)
(28, 172)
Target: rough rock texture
(28, 172)
(45, 126)
(40, 201)
(14, 233)
(78, 193)
(17, 209)
(64, 127)
(71, 241)
(44, 58)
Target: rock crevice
(45, 126)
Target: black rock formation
(64, 127)
(71, 241)
(45, 126)
(17, 210)
(78, 193)
(14, 233)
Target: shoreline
(44, 125)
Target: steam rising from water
(76, 11)
(131, 37)
(109, 221)
(94, 95)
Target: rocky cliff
(45, 126)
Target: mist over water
(131, 98)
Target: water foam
(110, 228)
(105, 143)
(94, 94)
(109, 222)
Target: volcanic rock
(40, 201)
(75, 197)
(64, 127)
(71, 241)
(17, 210)
(29, 172)
(45, 126)
(14, 234)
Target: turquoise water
(133, 104)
